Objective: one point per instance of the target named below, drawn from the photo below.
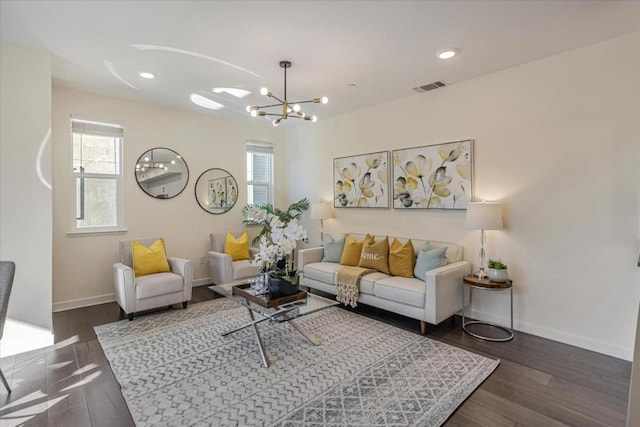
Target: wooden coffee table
(282, 309)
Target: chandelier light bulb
(138, 166)
(146, 159)
(143, 169)
(314, 119)
(254, 113)
(296, 107)
(161, 166)
(264, 91)
(276, 122)
(324, 100)
(173, 162)
(289, 109)
(248, 108)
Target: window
(259, 173)
(97, 173)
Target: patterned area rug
(175, 369)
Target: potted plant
(497, 270)
(277, 243)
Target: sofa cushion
(352, 250)
(153, 285)
(243, 269)
(322, 271)
(454, 251)
(333, 248)
(428, 260)
(402, 290)
(402, 258)
(375, 254)
(367, 282)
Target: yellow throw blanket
(348, 284)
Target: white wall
(557, 141)
(25, 173)
(82, 265)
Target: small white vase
(498, 275)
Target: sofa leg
(423, 327)
(185, 304)
(130, 317)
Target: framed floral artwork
(361, 181)
(434, 176)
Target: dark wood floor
(538, 383)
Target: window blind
(86, 127)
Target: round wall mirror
(216, 191)
(162, 173)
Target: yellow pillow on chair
(237, 248)
(149, 260)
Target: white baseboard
(101, 299)
(201, 282)
(83, 302)
(609, 349)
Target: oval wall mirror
(216, 191)
(162, 173)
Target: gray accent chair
(222, 268)
(135, 294)
(7, 271)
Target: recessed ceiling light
(447, 53)
(238, 93)
(146, 75)
(205, 102)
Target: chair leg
(130, 317)
(4, 381)
(185, 304)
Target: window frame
(264, 148)
(118, 177)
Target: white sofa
(430, 299)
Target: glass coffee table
(283, 309)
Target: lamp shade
(484, 216)
(321, 210)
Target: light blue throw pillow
(428, 260)
(333, 248)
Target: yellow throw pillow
(375, 255)
(237, 248)
(402, 258)
(352, 250)
(149, 260)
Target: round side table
(485, 284)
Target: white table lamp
(483, 216)
(321, 211)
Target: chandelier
(289, 109)
(149, 164)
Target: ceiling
(357, 53)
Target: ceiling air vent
(430, 86)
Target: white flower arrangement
(278, 239)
